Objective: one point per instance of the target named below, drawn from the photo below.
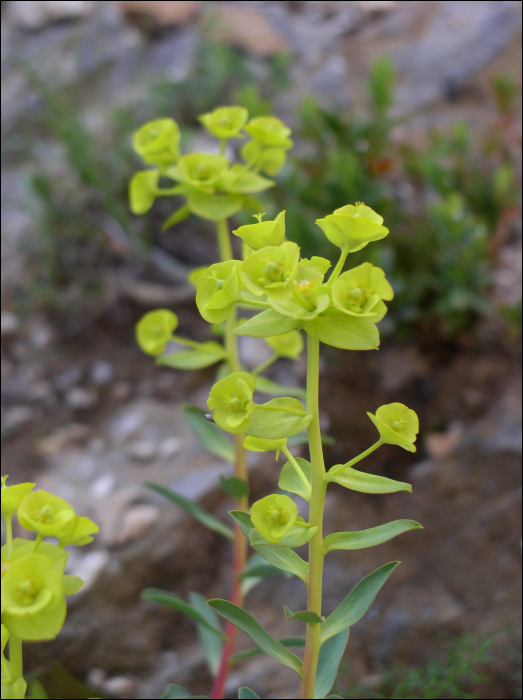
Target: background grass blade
(211, 437)
(172, 601)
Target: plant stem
(340, 467)
(339, 267)
(253, 302)
(224, 240)
(263, 366)
(316, 556)
(15, 657)
(239, 543)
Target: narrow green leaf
(172, 601)
(211, 643)
(262, 570)
(328, 663)
(356, 604)
(245, 622)
(295, 537)
(234, 486)
(197, 512)
(189, 359)
(290, 481)
(246, 693)
(267, 386)
(244, 522)
(265, 324)
(285, 641)
(177, 692)
(311, 618)
(284, 558)
(211, 437)
(175, 218)
(366, 483)
(368, 538)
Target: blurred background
(413, 108)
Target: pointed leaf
(295, 537)
(261, 571)
(285, 641)
(244, 522)
(342, 331)
(191, 359)
(175, 218)
(265, 324)
(366, 483)
(208, 433)
(284, 558)
(172, 601)
(368, 538)
(246, 693)
(197, 512)
(328, 662)
(211, 643)
(290, 481)
(178, 693)
(311, 618)
(267, 386)
(356, 604)
(234, 486)
(241, 619)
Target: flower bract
(270, 268)
(155, 329)
(12, 496)
(397, 425)
(287, 345)
(273, 516)
(143, 190)
(200, 170)
(44, 513)
(360, 291)
(218, 290)
(269, 132)
(231, 402)
(225, 122)
(305, 297)
(264, 233)
(158, 142)
(33, 604)
(78, 531)
(352, 227)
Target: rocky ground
(90, 418)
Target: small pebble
(17, 416)
(143, 451)
(78, 398)
(9, 323)
(136, 521)
(170, 446)
(101, 373)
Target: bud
(154, 330)
(231, 402)
(44, 513)
(397, 425)
(264, 233)
(225, 122)
(360, 291)
(273, 516)
(218, 290)
(158, 143)
(352, 227)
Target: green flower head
(270, 268)
(78, 531)
(33, 604)
(286, 345)
(143, 190)
(218, 290)
(273, 516)
(306, 297)
(12, 496)
(269, 132)
(231, 402)
(200, 170)
(397, 425)
(225, 122)
(12, 689)
(353, 226)
(154, 330)
(264, 233)
(270, 160)
(158, 143)
(45, 513)
(360, 291)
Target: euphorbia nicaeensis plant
(291, 295)
(34, 585)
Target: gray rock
(17, 416)
(102, 372)
(9, 323)
(33, 14)
(78, 398)
(67, 378)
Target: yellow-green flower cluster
(34, 585)
(212, 187)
